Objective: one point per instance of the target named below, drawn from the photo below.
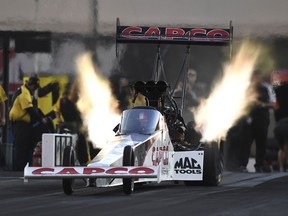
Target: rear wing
(174, 35)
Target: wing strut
(183, 73)
(158, 66)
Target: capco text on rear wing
(174, 35)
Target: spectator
(66, 109)
(120, 89)
(69, 118)
(280, 85)
(234, 142)
(195, 91)
(281, 136)
(256, 127)
(3, 99)
(23, 115)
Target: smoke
(231, 96)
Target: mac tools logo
(189, 166)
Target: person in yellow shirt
(69, 119)
(23, 116)
(3, 99)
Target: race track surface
(239, 194)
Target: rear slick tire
(212, 167)
(68, 160)
(128, 160)
(213, 164)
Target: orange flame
(96, 102)
(230, 97)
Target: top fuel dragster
(152, 143)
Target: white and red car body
(155, 160)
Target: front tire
(128, 160)
(68, 160)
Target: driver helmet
(143, 119)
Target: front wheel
(68, 160)
(128, 160)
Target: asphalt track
(239, 194)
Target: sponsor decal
(94, 171)
(166, 33)
(158, 154)
(188, 165)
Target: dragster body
(153, 154)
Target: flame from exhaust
(96, 102)
(231, 96)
